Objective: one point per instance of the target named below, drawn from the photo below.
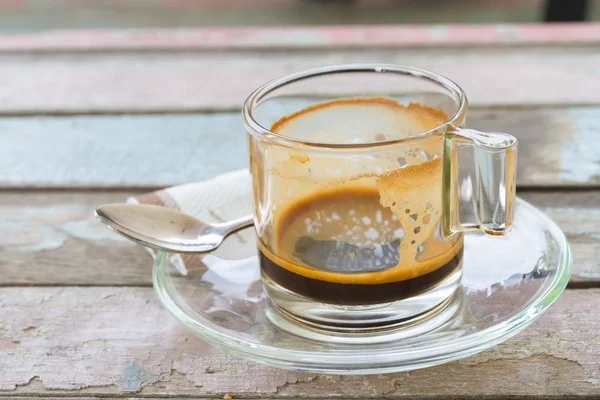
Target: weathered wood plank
(218, 80)
(104, 151)
(558, 147)
(296, 37)
(119, 341)
(578, 215)
(51, 238)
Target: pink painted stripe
(303, 37)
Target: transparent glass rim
(255, 97)
(388, 359)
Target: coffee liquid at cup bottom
(359, 245)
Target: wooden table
(93, 117)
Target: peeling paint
(32, 233)
(134, 377)
(589, 275)
(67, 353)
(90, 229)
(580, 158)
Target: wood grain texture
(113, 151)
(578, 215)
(221, 80)
(557, 147)
(51, 238)
(121, 342)
(295, 37)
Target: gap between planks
(570, 285)
(142, 188)
(238, 110)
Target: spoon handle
(235, 225)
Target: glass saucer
(507, 283)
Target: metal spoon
(167, 229)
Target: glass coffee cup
(364, 180)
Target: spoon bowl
(167, 229)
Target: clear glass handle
(479, 181)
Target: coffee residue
(360, 226)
